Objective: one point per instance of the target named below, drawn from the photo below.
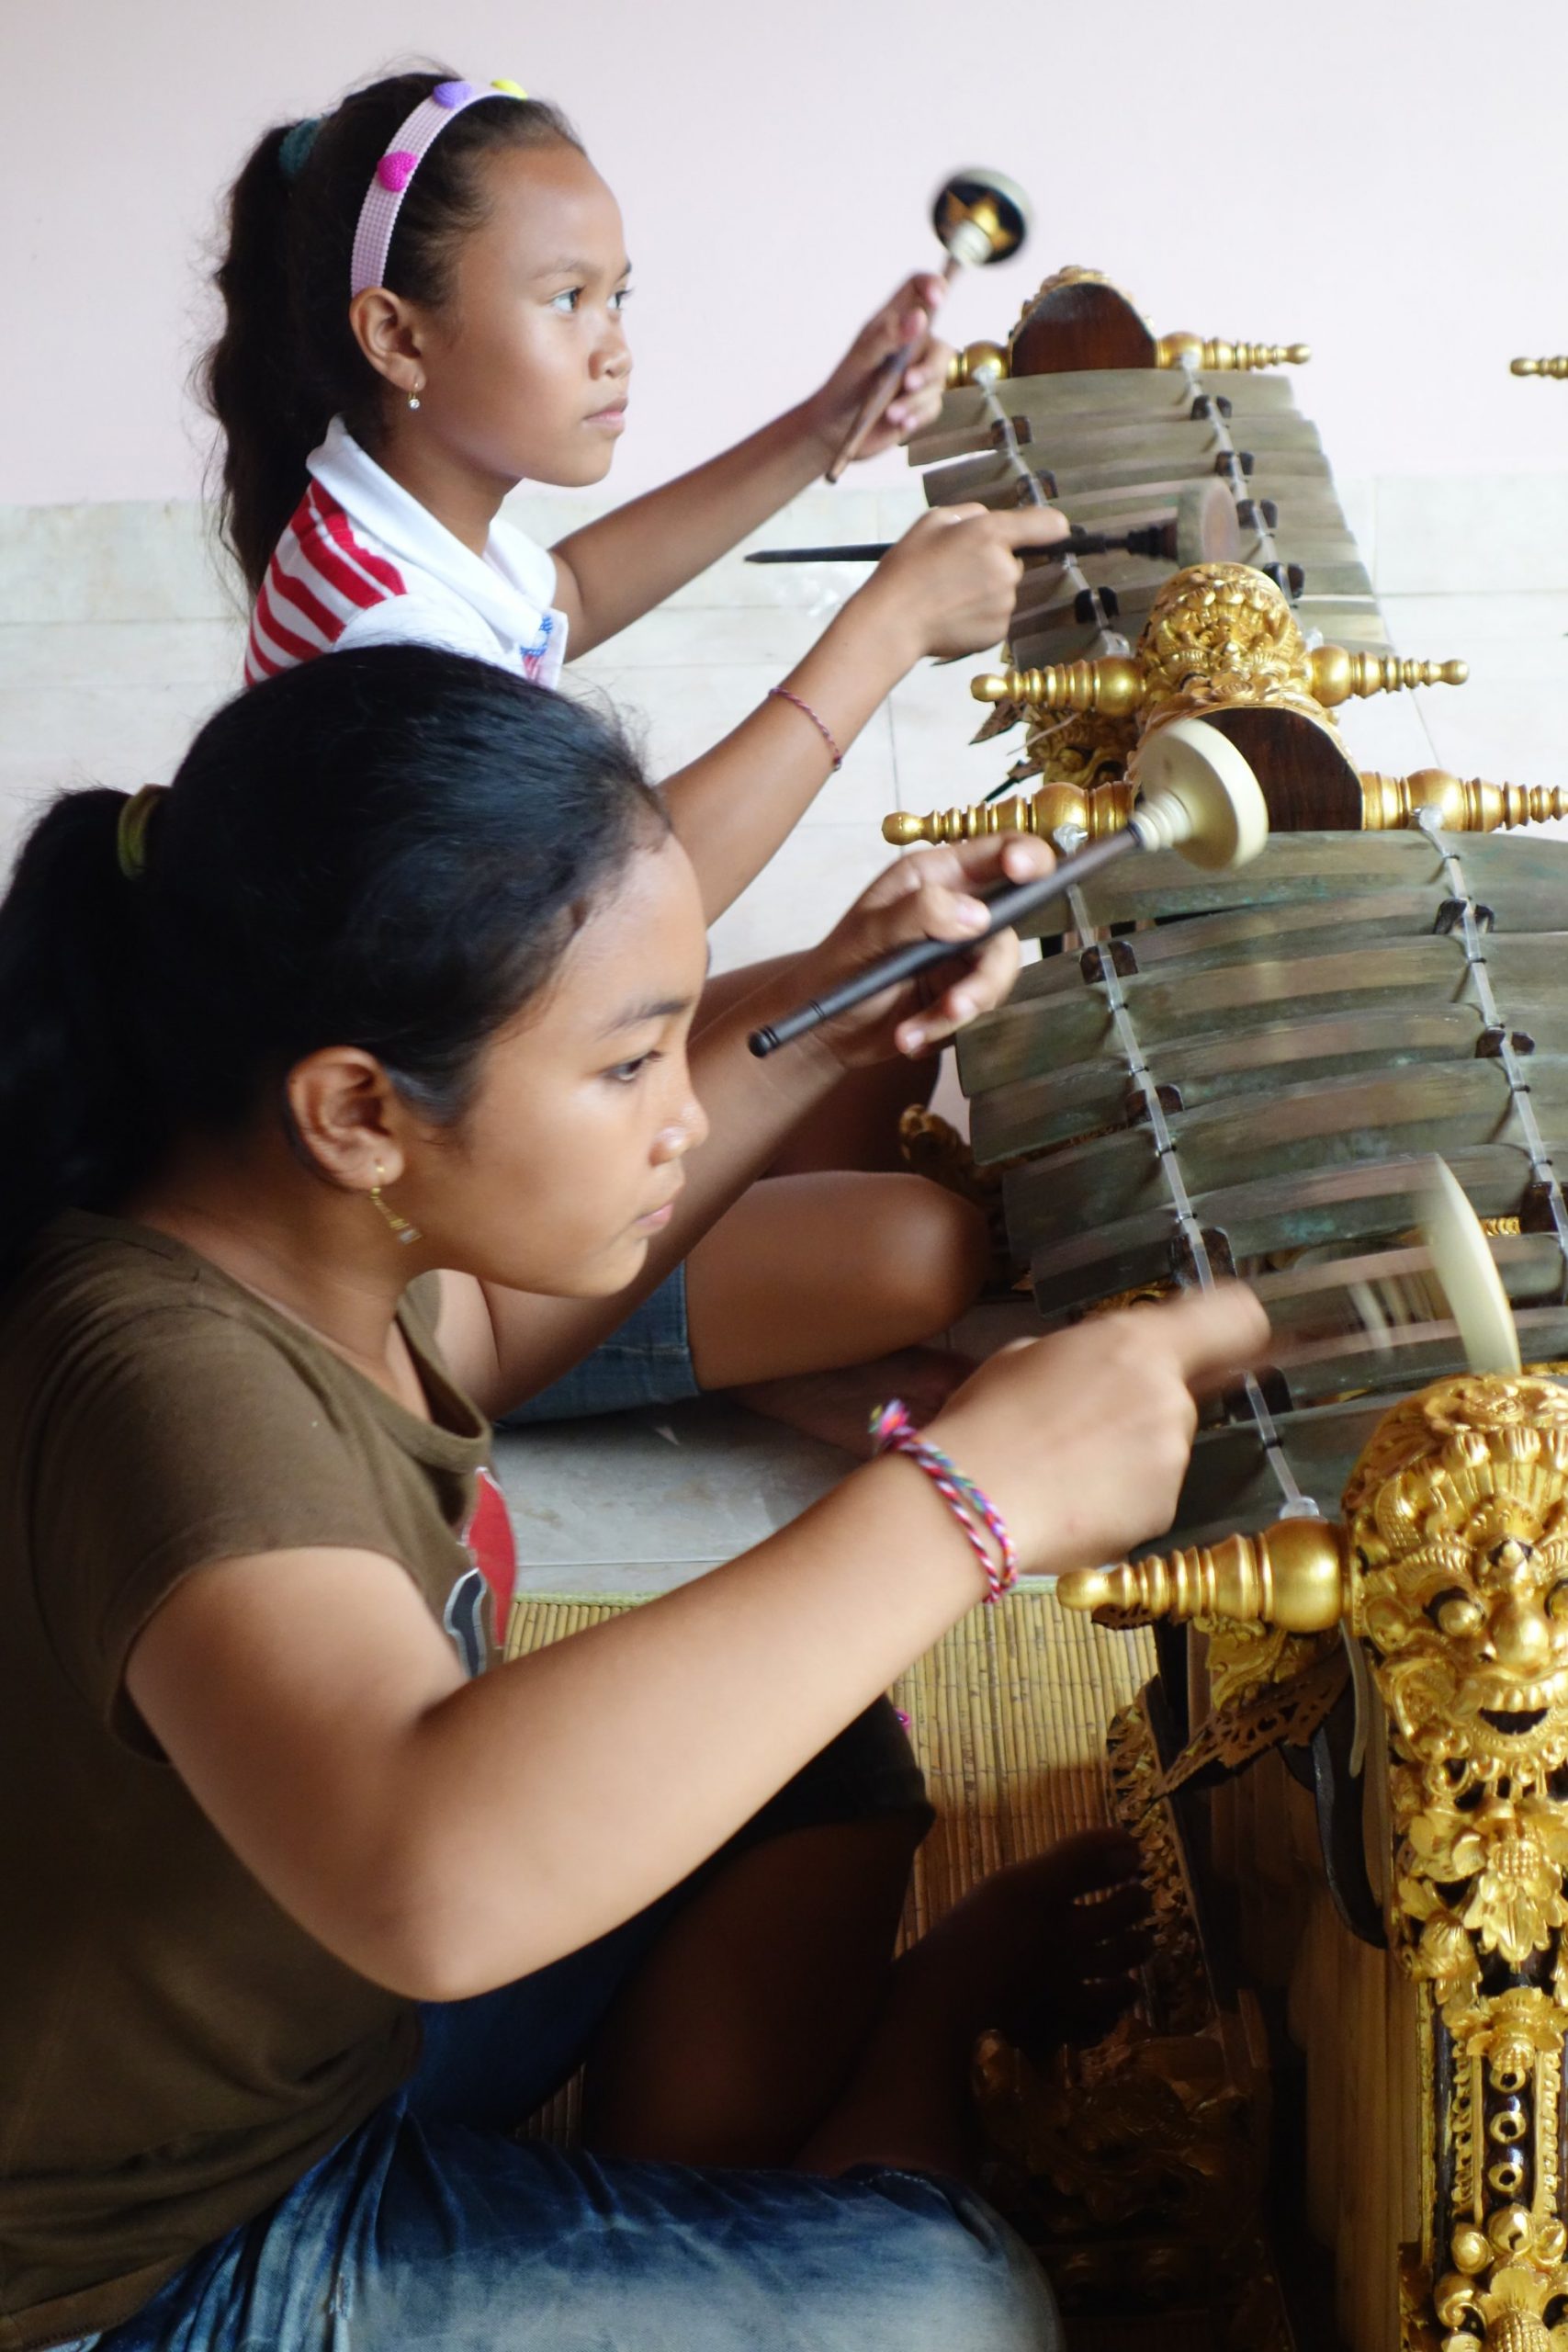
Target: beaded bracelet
(783, 694)
(894, 1432)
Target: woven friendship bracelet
(894, 1432)
(783, 694)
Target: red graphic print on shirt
(488, 1536)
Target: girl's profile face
(566, 1163)
(526, 367)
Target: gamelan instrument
(1350, 1774)
(1338, 2122)
(1198, 796)
(1230, 587)
(979, 217)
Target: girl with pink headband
(424, 297)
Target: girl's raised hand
(905, 319)
(950, 584)
(927, 895)
(1082, 1439)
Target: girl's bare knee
(931, 1253)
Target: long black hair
(391, 849)
(287, 362)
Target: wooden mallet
(980, 217)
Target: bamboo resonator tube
(1115, 686)
(1389, 804)
(1294, 1574)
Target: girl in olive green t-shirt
(348, 1095)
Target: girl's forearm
(735, 805)
(546, 1802)
(629, 562)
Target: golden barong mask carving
(1219, 636)
(1451, 1569)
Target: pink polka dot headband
(411, 142)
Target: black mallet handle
(1151, 538)
(1008, 903)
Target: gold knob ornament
(1294, 1574)
(977, 363)
(1194, 351)
(1558, 368)
(1336, 674)
(1465, 805)
(1112, 686)
(1101, 810)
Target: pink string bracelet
(783, 694)
(894, 1432)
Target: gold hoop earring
(400, 1225)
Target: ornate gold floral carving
(1454, 1575)
(1269, 1693)
(1219, 636)
(931, 1146)
(1176, 1981)
(1222, 633)
(1135, 2167)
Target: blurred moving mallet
(1199, 797)
(1156, 540)
(979, 217)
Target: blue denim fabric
(422, 2232)
(432, 2230)
(411, 2238)
(647, 1360)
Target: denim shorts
(647, 1360)
(431, 2228)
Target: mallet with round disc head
(1199, 797)
(980, 217)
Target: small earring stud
(413, 399)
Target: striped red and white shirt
(364, 563)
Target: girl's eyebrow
(664, 1009)
(570, 268)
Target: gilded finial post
(1098, 811)
(1558, 368)
(1219, 357)
(1293, 1576)
(1465, 805)
(1113, 685)
(1337, 674)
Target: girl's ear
(388, 332)
(347, 1117)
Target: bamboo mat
(1008, 1715)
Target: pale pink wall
(1386, 179)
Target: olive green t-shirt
(174, 2050)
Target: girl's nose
(683, 1134)
(612, 354)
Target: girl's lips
(608, 420)
(656, 1219)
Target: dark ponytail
(287, 362)
(390, 850)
